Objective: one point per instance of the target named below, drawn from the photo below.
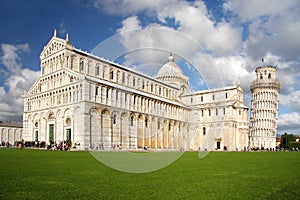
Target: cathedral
(98, 104)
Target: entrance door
(218, 145)
(68, 134)
(51, 130)
(36, 136)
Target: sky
(217, 43)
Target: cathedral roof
(11, 124)
(170, 69)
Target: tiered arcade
(264, 108)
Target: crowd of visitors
(64, 145)
(67, 145)
(61, 146)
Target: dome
(170, 69)
(172, 74)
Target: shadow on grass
(136, 162)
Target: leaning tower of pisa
(264, 108)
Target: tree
(295, 145)
(286, 139)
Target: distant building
(298, 137)
(11, 132)
(278, 141)
(98, 104)
(264, 108)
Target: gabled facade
(98, 104)
(220, 117)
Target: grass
(38, 174)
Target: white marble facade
(10, 133)
(98, 104)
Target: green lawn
(39, 174)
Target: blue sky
(217, 43)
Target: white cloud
(19, 83)
(235, 68)
(196, 39)
(19, 80)
(291, 100)
(249, 10)
(153, 43)
(289, 121)
(130, 24)
(278, 35)
(11, 58)
(194, 20)
(128, 7)
(273, 26)
(61, 28)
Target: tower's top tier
(265, 78)
(265, 73)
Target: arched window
(97, 71)
(96, 92)
(107, 92)
(269, 76)
(51, 116)
(68, 122)
(72, 60)
(103, 73)
(123, 78)
(131, 121)
(81, 66)
(114, 119)
(204, 131)
(133, 82)
(111, 75)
